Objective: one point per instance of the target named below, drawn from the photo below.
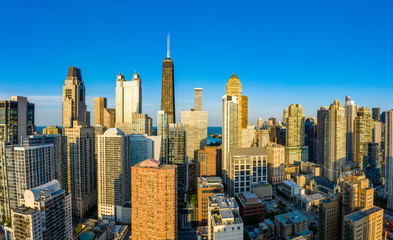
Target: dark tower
(168, 88)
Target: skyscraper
(350, 114)
(362, 135)
(198, 99)
(284, 115)
(230, 130)
(295, 134)
(16, 119)
(335, 141)
(207, 161)
(128, 97)
(195, 124)
(163, 131)
(234, 88)
(364, 224)
(113, 173)
(154, 201)
(389, 157)
(99, 106)
(74, 94)
(322, 120)
(168, 87)
(376, 114)
(82, 168)
(275, 163)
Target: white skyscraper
(128, 97)
(389, 158)
(350, 114)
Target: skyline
(307, 54)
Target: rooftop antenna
(168, 45)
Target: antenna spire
(168, 46)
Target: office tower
(248, 136)
(350, 114)
(234, 89)
(82, 168)
(163, 131)
(128, 97)
(389, 157)
(224, 220)
(264, 138)
(168, 87)
(383, 117)
(143, 147)
(16, 119)
(22, 168)
(59, 143)
(51, 130)
(177, 156)
(207, 161)
(329, 219)
(207, 186)
(362, 134)
(27, 224)
(284, 115)
(154, 199)
(294, 134)
(259, 124)
(372, 164)
(74, 94)
(275, 163)
(88, 117)
(377, 132)
(364, 224)
(322, 120)
(230, 130)
(376, 114)
(195, 124)
(113, 173)
(197, 99)
(310, 138)
(356, 193)
(272, 121)
(142, 124)
(109, 117)
(54, 206)
(99, 106)
(247, 166)
(335, 141)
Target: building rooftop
(290, 183)
(247, 151)
(25, 210)
(224, 209)
(310, 198)
(48, 188)
(113, 132)
(356, 216)
(74, 72)
(207, 182)
(292, 217)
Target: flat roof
(310, 198)
(291, 217)
(248, 151)
(356, 216)
(290, 183)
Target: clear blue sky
(306, 52)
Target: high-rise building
(22, 168)
(143, 147)
(163, 131)
(372, 164)
(377, 132)
(207, 161)
(198, 99)
(295, 134)
(60, 153)
(99, 106)
(389, 157)
(248, 137)
(322, 120)
(234, 89)
(259, 124)
(113, 173)
(54, 206)
(247, 166)
(26, 223)
(329, 219)
(51, 130)
(362, 135)
(224, 220)
(195, 124)
(335, 141)
(364, 224)
(350, 115)
(82, 168)
(310, 138)
(109, 117)
(168, 87)
(154, 200)
(128, 97)
(207, 186)
(263, 137)
(376, 114)
(284, 115)
(177, 156)
(74, 94)
(275, 163)
(356, 193)
(16, 119)
(88, 117)
(230, 130)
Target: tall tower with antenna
(168, 86)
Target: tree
(78, 228)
